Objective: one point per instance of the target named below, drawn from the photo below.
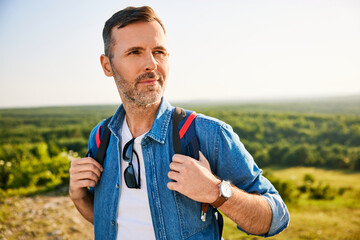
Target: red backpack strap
(98, 141)
(187, 124)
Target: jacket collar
(159, 127)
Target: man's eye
(135, 52)
(160, 52)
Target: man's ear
(105, 63)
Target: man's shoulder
(207, 122)
(95, 130)
(114, 122)
(207, 125)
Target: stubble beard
(149, 95)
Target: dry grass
(42, 217)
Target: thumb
(203, 161)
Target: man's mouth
(149, 78)
(148, 81)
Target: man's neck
(140, 118)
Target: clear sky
(219, 50)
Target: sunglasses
(129, 173)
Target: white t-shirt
(133, 215)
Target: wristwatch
(225, 193)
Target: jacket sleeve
(229, 160)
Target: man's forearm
(86, 207)
(250, 212)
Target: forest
(37, 143)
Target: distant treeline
(34, 143)
(297, 139)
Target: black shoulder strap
(179, 114)
(100, 155)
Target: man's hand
(84, 172)
(193, 178)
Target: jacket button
(117, 186)
(112, 222)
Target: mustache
(147, 75)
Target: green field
(338, 218)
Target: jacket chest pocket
(189, 212)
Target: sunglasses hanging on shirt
(132, 180)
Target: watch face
(225, 189)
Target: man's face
(139, 62)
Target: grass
(316, 219)
(335, 178)
(43, 217)
(339, 218)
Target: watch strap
(220, 201)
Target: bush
(303, 188)
(286, 189)
(321, 192)
(2, 197)
(342, 190)
(357, 164)
(43, 178)
(5, 170)
(309, 179)
(39, 170)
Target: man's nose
(150, 62)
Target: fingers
(181, 163)
(201, 157)
(179, 158)
(85, 168)
(174, 166)
(203, 161)
(88, 175)
(84, 172)
(172, 186)
(179, 167)
(82, 184)
(86, 160)
(190, 177)
(85, 165)
(174, 175)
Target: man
(143, 190)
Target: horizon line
(259, 100)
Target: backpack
(185, 142)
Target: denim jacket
(174, 215)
